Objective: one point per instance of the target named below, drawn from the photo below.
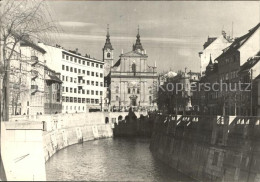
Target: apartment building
(82, 77)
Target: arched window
(108, 55)
(134, 68)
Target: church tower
(108, 53)
(138, 45)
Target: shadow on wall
(2, 170)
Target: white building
(213, 47)
(82, 77)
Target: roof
(117, 63)
(53, 78)
(209, 41)
(238, 42)
(133, 54)
(251, 62)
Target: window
(92, 92)
(67, 57)
(87, 82)
(129, 90)
(79, 70)
(63, 78)
(67, 89)
(75, 59)
(83, 71)
(87, 91)
(79, 100)
(75, 99)
(83, 91)
(92, 83)
(92, 64)
(96, 83)
(108, 55)
(101, 75)
(63, 56)
(71, 79)
(83, 62)
(88, 72)
(101, 66)
(63, 67)
(67, 68)
(116, 98)
(101, 84)
(101, 93)
(79, 61)
(63, 89)
(96, 74)
(215, 158)
(96, 65)
(92, 73)
(75, 70)
(88, 63)
(71, 69)
(138, 90)
(96, 101)
(67, 78)
(96, 92)
(70, 90)
(75, 90)
(83, 101)
(92, 101)
(71, 99)
(88, 100)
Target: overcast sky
(171, 32)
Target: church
(130, 81)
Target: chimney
(122, 51)
(76, 50)
(224, 33)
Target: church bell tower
(108, 57)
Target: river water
(113, 159)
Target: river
(113, 159)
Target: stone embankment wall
(209, 148)
(28, 142)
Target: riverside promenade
(27, 143)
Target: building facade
(82, 77)
(131, 82)
(213, 48)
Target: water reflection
(110, 160)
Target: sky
(172, 32)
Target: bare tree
(20, 20)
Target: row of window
(228, 76)
(81, 91)
(80, 100)
(75, 108)
(79, 61)
(229, 60)
(75, 70)
(88, 82)
(133, 91)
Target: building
(53, 94)
(32, 94)
(208, 96)
(229, 64)
(250, 73)
(131, 82)
(213, 47)
(82, 77)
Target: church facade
(130, 81)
